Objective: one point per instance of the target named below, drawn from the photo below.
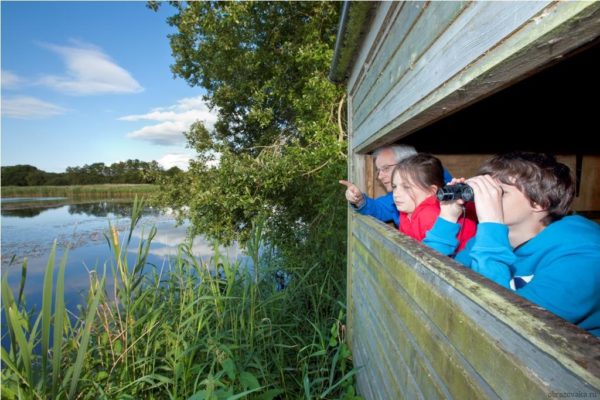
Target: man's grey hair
(401, 151)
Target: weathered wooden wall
(421, 326)
(426, 328)
(421, 61)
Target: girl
(415, 181)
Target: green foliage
(130, 171)
(278, 149)
(273, 159)
(193, 331)
(77, 192)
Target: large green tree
(278, 147)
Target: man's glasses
(385, 169)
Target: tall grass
(187, 330)
(80, 191)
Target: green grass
(80, 191)
(184, 332)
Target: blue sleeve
(442, 236)
(491, 254)
(382, 208)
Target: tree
(21, 175)
(277, 149)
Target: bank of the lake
(192, 327)
(78, 191)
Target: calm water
(30, 232)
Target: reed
(186, 329)
(81, 191)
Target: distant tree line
(130, 171)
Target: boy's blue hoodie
(558, 269)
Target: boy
(525, 241)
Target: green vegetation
(278, 147)
(130, 171)
(197, 331)
(81, 191)
(279, 136)
(266, 176)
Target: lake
(29, 227)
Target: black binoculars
(455, 192)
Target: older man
(383, 207)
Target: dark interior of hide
(555, 110)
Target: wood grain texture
(452, 333)
(488, 46)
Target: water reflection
(28, 207)
(26, 212)
(29, 233)
(106, 208)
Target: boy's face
(517, 208)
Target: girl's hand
(488, 198)
(452, 210)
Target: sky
(86, 82)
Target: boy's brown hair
(540, 177)
(423, 169)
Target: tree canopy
(130, 171)
(278, 147)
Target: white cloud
(174, 121)
(90, 71)
(10, 79)
(25, 107)
(178, 160)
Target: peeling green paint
(439, 320)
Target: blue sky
(86, 82)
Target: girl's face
(408, 195)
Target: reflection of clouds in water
(168, 238)
(85, 236)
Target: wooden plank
(363, 378)
(415, 42)
(404, 314)
(589, 195)
(463, 165)
(352, 159)
(399, 340)
(409, 362)
(385, 12)
(396, 382)
(383, 374)
(562, 356)
(440, 88)
(396, 25)
(370, 175)
(472, 34)
(379, 370)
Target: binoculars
(455, 192)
